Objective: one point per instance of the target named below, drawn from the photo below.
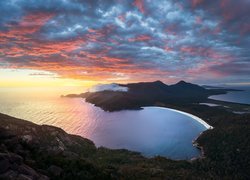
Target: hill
(149, 93)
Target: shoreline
(196, 118)
(194, 142)
(204, 123)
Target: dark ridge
(149, 93)
(182, 82)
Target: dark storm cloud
(136, 39)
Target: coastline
(205, 124)
(194, 142)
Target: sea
(151, 131)
(235, 96)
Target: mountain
(149, 93)
(183, 89)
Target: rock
(31, 162)
(9, 175)
(24, 169)
(3, 148)
(156, 171)
(4, 165)
(23, 177)
(60, 144)
(19, 147)
(14, 167)
(70, 155)
(27, 138)
(11, 143)
(15, 158)
(5, 134)
(12, 158)
(55, 170)
(43, 177)
(54, 133)
(33, 129)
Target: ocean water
(151, 131)
(235, 96)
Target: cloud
(140, 5)
(140, 39)
(108, 87)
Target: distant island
(157, 93)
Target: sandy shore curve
(205, 124)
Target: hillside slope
(149, 93)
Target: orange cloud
(58, 56)
(204, 69)
(140, 38)
(168, 49)
(140, 5)
(122, 17)
(198, 20)
(30, 24)
(196, 3)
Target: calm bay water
(235, 96)
(151, 131)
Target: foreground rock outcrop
(23, 143)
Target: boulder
(43, 177)
(11, 157)
(4, 165)
(9, 175)
(24, 177)
(26, 170)
(55, 170)
(27, 138)
(14, 158)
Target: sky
(85, 42)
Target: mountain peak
(182, 82)
(158, 82)
(186, 85)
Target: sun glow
(34, 78)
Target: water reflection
(152, 131)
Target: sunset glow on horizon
(83, 43)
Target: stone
(156, 171)
(9, 175)
(70, 154)
(14, 158)
(27, 138)
(4, 165)
(43, 177)
(55, 170)
(23, 177)
(5, 134)
(11, 157)
(24, 169)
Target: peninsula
(176, 96)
